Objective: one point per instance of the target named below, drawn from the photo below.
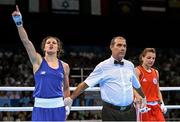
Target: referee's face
(119, 48)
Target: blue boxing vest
(48, 81)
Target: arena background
(86, 28)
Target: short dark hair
(114, 38)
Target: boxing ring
(74, 108)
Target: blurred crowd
(16, 70)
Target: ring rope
(73, 88)
(74, 108)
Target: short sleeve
(94, 77)
(135, 81)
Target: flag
(99, 7)
(7, 2)
(66, 6)
(94, 7)
(84, 7)
(154, 5)
(33, 5)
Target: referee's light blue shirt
(116, 81)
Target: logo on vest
(144, 80)
(43, 72)
(62, 75)
(154, 80)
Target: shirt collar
(112, 59)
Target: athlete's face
(149, 59)
(51, 46)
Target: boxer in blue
(50, 73)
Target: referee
(117, 80)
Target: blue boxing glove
(18, 20)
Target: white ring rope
(73, 88)
(32, 88)
(74, 108)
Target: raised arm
(34, 57)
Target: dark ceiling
(140, 26)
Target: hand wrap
(18, 20)
(68, 103)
